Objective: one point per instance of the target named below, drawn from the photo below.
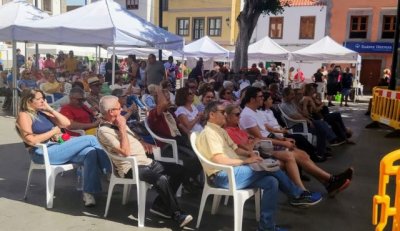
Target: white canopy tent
(204, 47)
(12, 16)
(326, 50)
(142, 53)
(102, 23)
(267, 49)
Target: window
(307, 27)
(182, 26)
(46, 5)
(214, 26)
(275, 27)
(358, 27)
(164, 5)
(198, 28)
(388, 26)
(132, 4)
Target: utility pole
(160, 23)
(394, 76)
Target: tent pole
(14, 79)
(97, 61)
(113, 68)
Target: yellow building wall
(227, 9)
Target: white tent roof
(14, 14)
(142, 53)
(103, 23)
(326, 50)
(204, 47)
(267, 49)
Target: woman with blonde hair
(37, 123)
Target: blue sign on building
(370, 47)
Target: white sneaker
(89, 199)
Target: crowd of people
(233, 114)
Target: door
(370, 73)
(198, 28)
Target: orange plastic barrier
(386, 107)
(382, 201)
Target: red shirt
(237, 135)
(158, 124)
(78, 114)
(48, 63)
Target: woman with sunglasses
(37, 123)
(186, 113)
(226, 97)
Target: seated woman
(186, 113)
(226, 97)
(207, 97)
(39, 123)
(242, 139)
(314, 108)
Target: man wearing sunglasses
(81, 117)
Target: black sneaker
(160, 211)
(182, 218)
(337, 185)
(306, 199)
(347, 174)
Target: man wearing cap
(81, 117)
(71, 63)
(94, 96)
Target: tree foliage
(247, 21)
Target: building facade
(52, 7)
(193, 19)
(300, 24)
(142, 8)
(367, 27)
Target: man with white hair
(119, 140)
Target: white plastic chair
(51, 173)
(301, 126)
(239, 195)
(141, 186)
(157, 155)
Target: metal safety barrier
(386, 107)
(381, 201)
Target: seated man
(216, 145)
(252, 123)
(119, 140)
(52, 86)
(164, 124)
(80, 115)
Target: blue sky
(75, 2)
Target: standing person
(20, 59)
(347, 83)
(197, 71)
(109, 65)
(332, 83)
(170, 69)
(155, 71)
(39, 123)
(142, 72)
(71, 63)
(318, 78)
(133, 67)
(119, 140)
(49, 63)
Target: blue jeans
(324, 133)
(79, 150)
(269, 182)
